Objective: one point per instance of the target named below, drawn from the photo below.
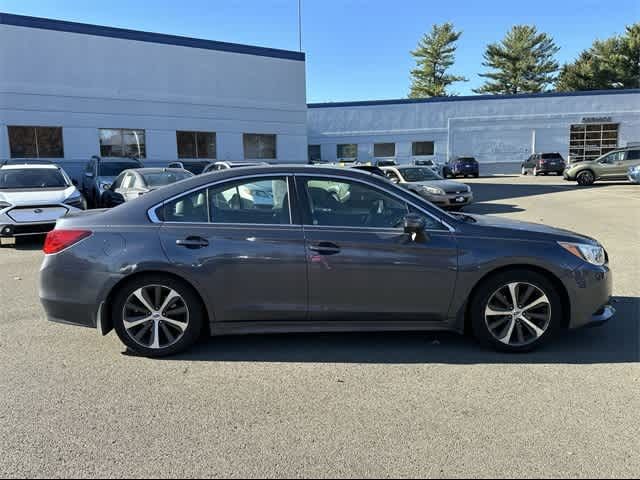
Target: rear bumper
(72, 295)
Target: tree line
(524, 62)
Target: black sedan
(307, 249)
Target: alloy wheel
(586, 178)
(155, 316)
(518, 314)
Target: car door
(241, 243)
(362, 266)
(612, 166)
(110, 197)
(632, 158)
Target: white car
(32, 198)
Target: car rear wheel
(515, 311)
(586, 178)
(523, 171)
(156, 316)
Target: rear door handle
(325, 248)
(193, 242)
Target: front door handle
(325, 248)
(193, 243)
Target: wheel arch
(557, 283)
(106, 323)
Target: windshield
(32, 178)
(165, 178)
(417, 174)
(467, 160)
(113, 169)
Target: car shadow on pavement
(492, 208)
(487, 192)
(616, 342)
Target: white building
(69, 91)
(500, 131)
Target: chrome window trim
(154, 218)
(151, 212)
(394, 194)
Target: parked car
(614, 165)
(544, 163)
(227, 165)
(100, 173)
(132, 184)
(33, 196)
(371, 169)
(194, 166)
(431, 186)
(634, 174)
(462, 166)
(198, 259)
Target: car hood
(526, 230)
(448, 186)
(584, 164)
(41, 196)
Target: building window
(196, 144)
(36, 142)
(259, 146)
(420, 149)
(384, 150)
(589, 141)
(347, 151)
(122, 143)
(315, 154)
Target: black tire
(491, 285)
(586, 178)
(476, 175)
(524, 172)
(196, 317)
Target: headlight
(594, 254)
(75, 200)
(433, 190)
(4, 205)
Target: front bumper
(590, 289)
(14, 230)
(450, 199)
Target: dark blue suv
(461, 166)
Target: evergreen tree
(610, 63)
(434, 57)
(523, 62)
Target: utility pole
(300, 25)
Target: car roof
(28, 166)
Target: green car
(614, 165)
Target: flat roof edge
(409, 101)
(141, 36)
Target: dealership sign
(596, 119)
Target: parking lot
(374, 405)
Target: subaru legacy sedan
(310, 249)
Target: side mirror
(414, 224)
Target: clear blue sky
(356, 49)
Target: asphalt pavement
(73, 404)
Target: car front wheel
(586, 178)
(515, 311)
(156, 316)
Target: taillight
(58, 240)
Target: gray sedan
(425, 182)
(134, 183)
(332, 250)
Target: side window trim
(304, 204)
(153, 215)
